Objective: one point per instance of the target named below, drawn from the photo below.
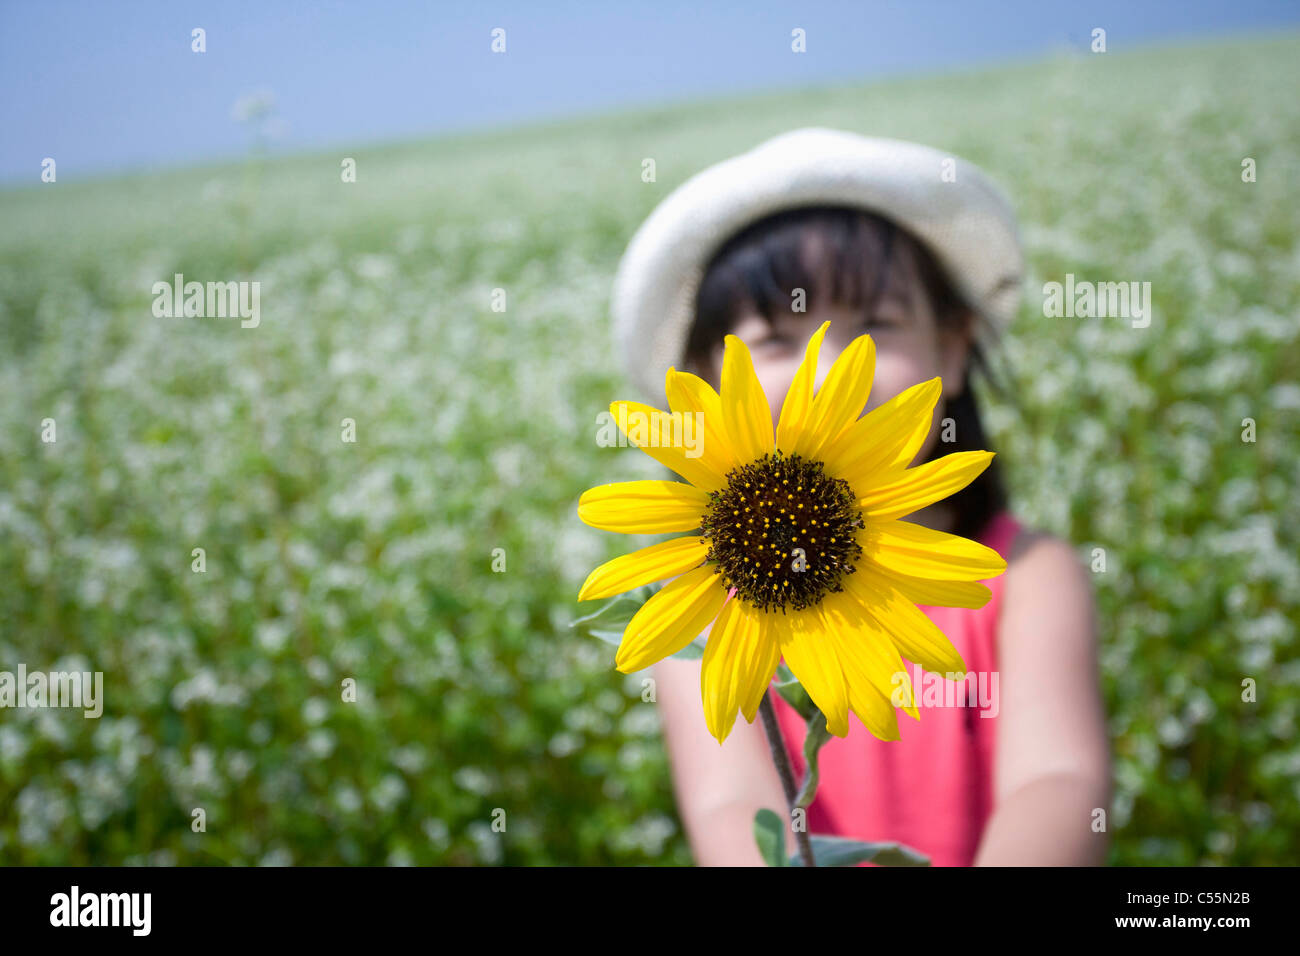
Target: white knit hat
(962, 217)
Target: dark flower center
(781, 532)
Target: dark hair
(761, 266)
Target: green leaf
(769, 834)
(840, 851)
(608, 622)
(814, 739)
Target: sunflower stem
(786, 772)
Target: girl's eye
(880, 322)
(773, 340)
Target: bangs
(837, 255)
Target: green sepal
(814, 739)
(610, 620)
(793, 693)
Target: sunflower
(798, 551)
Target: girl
(1019, 772)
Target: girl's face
(910, 347)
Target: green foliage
(476, 430)
(769, 834)
(838, 851)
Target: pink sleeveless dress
(932, 789)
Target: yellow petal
(923, 485)
(814, 662)
(926, 553)
(759, 674)
(670, 620)
(643, 507)
(870, 660)
(840, 400)
(674, 439)
(937, 593)
(798, 399)
(739, 659)
(910, 629)
(690, 394)
(874, 712)
(646, 566)
(886, 438)
(745, 411)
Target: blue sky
(107, 86)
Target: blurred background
(475, 429)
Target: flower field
(452, 303)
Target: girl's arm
(1053, 757)
(719, 788)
